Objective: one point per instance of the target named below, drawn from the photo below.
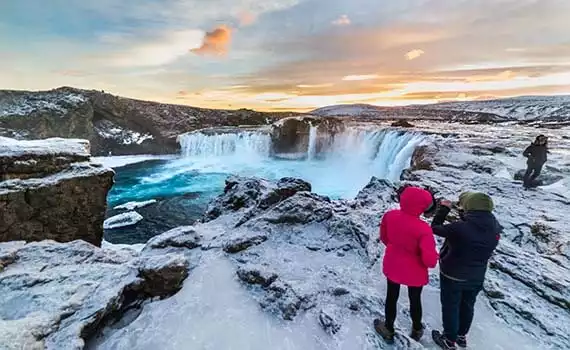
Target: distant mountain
(111, 123)
(524, 109)
(519, 108)
(348, 110)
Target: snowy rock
(180, 237)
(125, 219)
(113, 124)
(27, 159)
(546, 178)
(244, 242)
(58, 295)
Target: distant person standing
(469, 244)
(410, 252)
(536, 155)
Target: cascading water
(343, 166)
(312, 149)
(244, 143)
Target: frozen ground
(120, 161)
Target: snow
(132, 247)
(346, 110)
(54, 146)
(134, 205)
(123, 136)
(52, 101)
(125, 219)
(519, 108)
(75, 170)
(120, 161)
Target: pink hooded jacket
(410, 244)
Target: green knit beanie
(476, 201)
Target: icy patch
(213, 311)
(54, 146)
(120, 161)
(125, 219)
(118, 247)
(134, 205)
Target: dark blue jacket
(469, 244)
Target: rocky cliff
(59, 295)
(49, 190)
(112, 124)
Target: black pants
(533, 170)
(458, 305)
(415, 295)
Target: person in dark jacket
(536, 155)
(469, 244)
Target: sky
(288, 54)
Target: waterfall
(312, 149)
(245, 144)
(353, 155)
(386, 152)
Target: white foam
(134, 205)
(122, 220)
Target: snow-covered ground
(120, 161)
(49, 147)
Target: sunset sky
(288, 54)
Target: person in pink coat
(410, 252)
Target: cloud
(246, 18)
(360, 77)
(313, 86)
(158, 51)
(412, 55)
(215, 42)
(342, 21)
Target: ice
(54, 146)
(134, 205)
(120, 161)
(132, 247)
(125, 219)
(213, 311)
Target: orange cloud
(412, 55)
(215, 42)
(342, 21)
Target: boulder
(546, 177)
(56, 199)
(180, 237)
(58, 295)
(402, 123)
(423, 158)
(291, 135)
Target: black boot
(442, 342)
(417, 334)
(462, 341)
(384, 331)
